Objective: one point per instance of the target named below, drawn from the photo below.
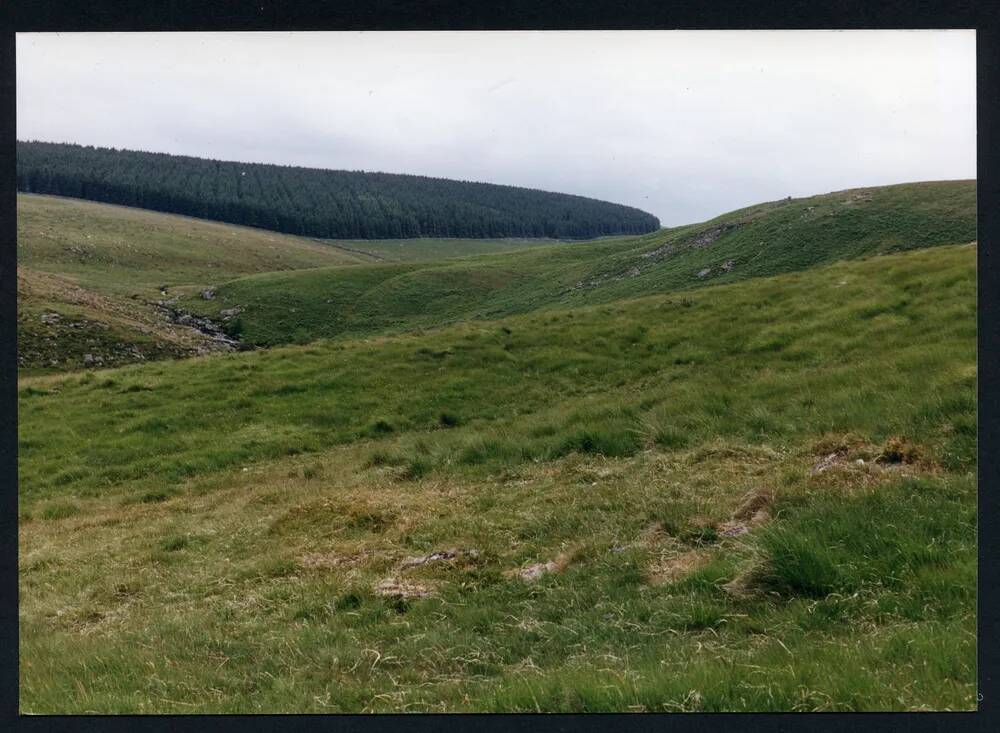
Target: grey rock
(437, 556)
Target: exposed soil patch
(678, 559)
(734, 528)
(404, 589)
(852, 459)
(533, 572)
(676, 567)
(329, 561)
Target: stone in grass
(437, 556)
(532, 573)
(208, 293)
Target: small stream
(203, 325)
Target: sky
(683, 124)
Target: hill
(317, 203)
(89, 276)
(766, 239)
(430, 248)
(755, 496)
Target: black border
(264, 15)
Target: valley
(749, 491)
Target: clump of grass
(175, 543)
(669, 437)
(899, 450)
(60, 510)
(838, 544)
(417, 467)
(271, 567)
(497, 450)
(382, 457)
(609, 441)
(448, 420)
(348, 601)
(154, 496)
(32, 391)
(701, 534)
(369, 520)
(381, 427)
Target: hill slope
(120, 249)
(767, 239)
(758, 496)
(318, 203)
(89, 274)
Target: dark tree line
(317, 203)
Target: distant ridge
(330, 204)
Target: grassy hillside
(759, 496)
(429, 248)
(87, 271)
(767, 239)
(117, 249)
(60, 323)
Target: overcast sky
(685, 125)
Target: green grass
(210, 535)
(582, 380)
(430, 248)
(58, 323)
(96, 266)
(121, 250)
(782, 236)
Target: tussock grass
(233, 548)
